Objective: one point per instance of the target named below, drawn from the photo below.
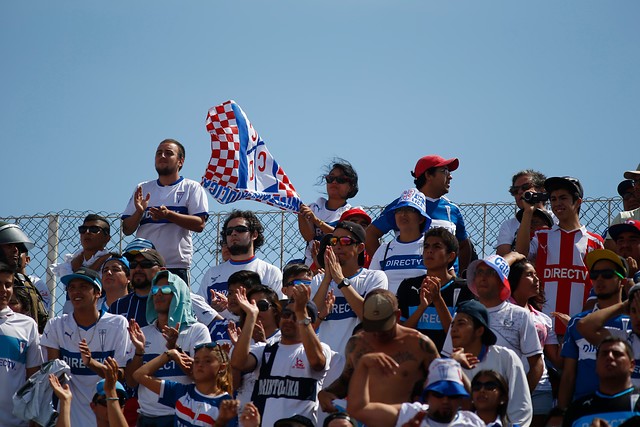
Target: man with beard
(244, 235)
(144, 264)
(166, 210)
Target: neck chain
(93, 334)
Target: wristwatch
(306, 321)
(345, 282)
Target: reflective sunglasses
(488, 385)
(145, 263)
(608, 273)
(339, 179)
(166, 290)
(288, 314)
(514, 189)
(297, 282)
(93, 229)
(263, 305)
(344, 241)
(239, 228)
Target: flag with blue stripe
(241, 167)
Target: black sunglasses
(488, 385)
(514, 189)
(263, 305)
(607, 274)
(93, 229)
(239, 228)
(339, 179)
(145, 263)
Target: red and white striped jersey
(560, 267)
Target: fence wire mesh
(56, 234)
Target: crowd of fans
(413, 332)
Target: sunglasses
(143, 264)
(263, 305)
(288, 314)
(514, 189)
(607, 274)
(93, 229)
(339, 179)
(165, 290)
(297, 282)
(214, 346)
(239, 228)
(343, 241)
(488, 385)
(445, 171)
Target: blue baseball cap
(86, 274)
(136, 245)
(119, 389)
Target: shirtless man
(382, 333)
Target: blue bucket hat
(445, 377)
(414, 199)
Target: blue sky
(90, 88)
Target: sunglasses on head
(263, 305)
(343, 241)
(339, 179)
(608, 273)
(239, 228)
(214, 346)
(93, 229)
(145, 263)
(297, 282)
(514, 189)
(487, 385)
(166, 290)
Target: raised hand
(171, 335)
(136, 335)
(141, 203)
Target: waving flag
(241, 167)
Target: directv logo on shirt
(401, 262)
(341, 310)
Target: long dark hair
(504, 390)
(515, 274)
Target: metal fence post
(52, 257)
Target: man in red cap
(432, 176)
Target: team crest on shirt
(23, 346)
(179, 195)
(299, 364)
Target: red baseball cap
(346, 216)
(434, 161)
(629, 225)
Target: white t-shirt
(107, 337)
(155, 344)
(216, 277)
(514, 330)
(462, 418)
(290, 375)
(184, 196)
(507, 232)
(41, 286)
(331, 217)
(19, 350)
(399, 261)
(336, 330)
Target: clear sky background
(90, 88)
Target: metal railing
(56, 234)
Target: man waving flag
(241, 167)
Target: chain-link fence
(56, 234)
